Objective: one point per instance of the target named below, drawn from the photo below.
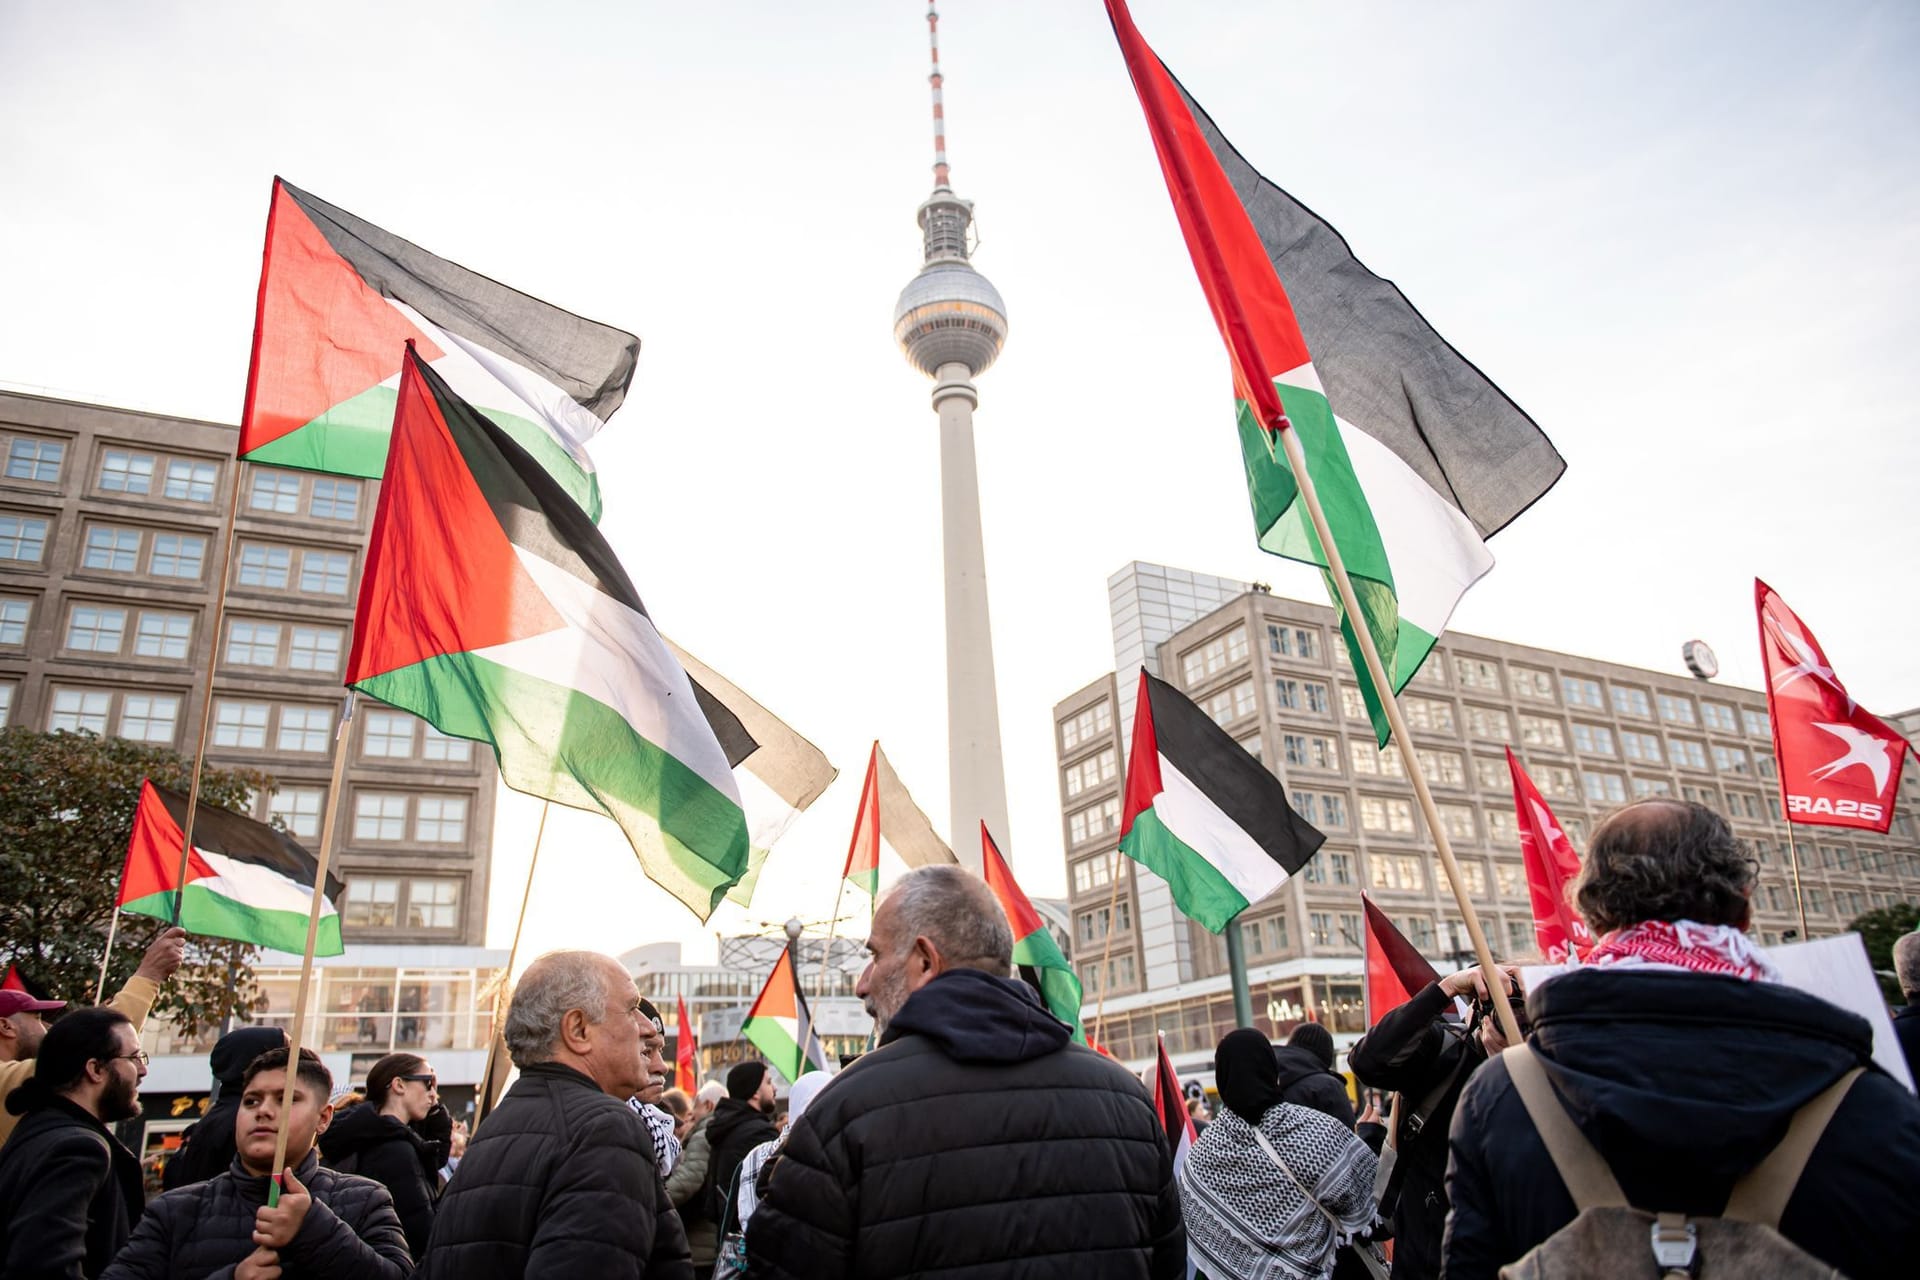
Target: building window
(275, 491)
(1293, 642)
(178, 555)
(149, 717)
(1476, 673)
(1405, 872)
(6, 703)
(1228, 705)
(1534, 685)
(372, 902)
(1582, 692)
(1320, 928)
(1508, 877)
(389, 734)
(1756, 722)
(1731, 759)
(1675, 709)
(1353, 704)
(80, 711)
(240, 724)
(191, 481)
(262, 565)
(1320, 808)
(1094, 873)
(1442, 768)
(96, 628)
(1501, 827)
(304, 728)
(436, 745)
(1605, 788)
(1096, 719)
(440, 819)
(1538, 732)
(1091, 823)
(1486, 722)
(1521, 939)
(1089, 773)
(379, 815)
(1644, 787)
(15, 611)
(433, 904)
(1492, 775)
(1418, 931)
(35, 460)
(164, 635)
(1377, 813)
(324, 573)
(1700, 795)
(1632, 702)
(1473, 873)
(1555, 779)
(1595, 740)
(1457, 820)
(299, 809)
(315, 649)
(1641, 746)
(335, 499)
(112, 550)
(253, 644)
(22, 538)
(1214, 656)
(1687, 752)
(124, 472)
(1718, 716)
(1429, 715)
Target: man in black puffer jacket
(561, 1179)
(206, 1149)
(1307, 1077)
(741, 1121)
(977, 1140)
(326, 1224)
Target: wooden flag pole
(1106, 954)
(100, 987)
(206, 695)
(826, 951)
(1390, 703)
(1793, 860)
(484, 1102)
(343, 741)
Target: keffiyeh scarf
(1247, 1219)
(1682, 945)
(666, 1147)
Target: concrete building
(110, 565)
(1273, 673)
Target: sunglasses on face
(432, 1082)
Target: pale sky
(1685, 238)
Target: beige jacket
(135, 1000)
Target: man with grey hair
(561, 1179)
(1906, 1022)
(978, 1138)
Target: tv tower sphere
(949, 313)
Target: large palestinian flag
(1204, 815)
(889, 828)
(1416, 456)
(780, 1026)
(245, 880)
(339, 300)
(1035, 952)
(491, 607)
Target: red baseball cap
(12, 1002)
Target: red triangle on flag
(1395, 967)
(153, 851)
(13, 981)
(863, 852)
(776, 999)
(1019, 908)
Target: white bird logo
(1862, 749)
(1809, 665)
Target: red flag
(1839, 764)
(1170, 1105)
(1551, 864)
(686, 1047)
(1395, 967)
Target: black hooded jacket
(735, 1129)
(1306, 1082)
(207, 1148)
(363, 1141)
(1683, 1082)
(69, 1191)
(977, 1141)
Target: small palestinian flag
(1035, 952)
(1395, 967)
(245, 880)
(1417, 457)
(889, 827)
(1170, 1105)
(339, 301)
(492, 608)
(686, 1053)
(1204, 815)
(780, 1026)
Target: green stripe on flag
(777, 1046)
(1059, 985)
(1198, 886)
(207, 914)
(557, 742)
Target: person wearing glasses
(398, 1137)
(69, 1191)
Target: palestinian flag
(492, 608)
(245, 880)
(1202, 814)
(889, 827)
(339, 301)
(1395, 967)
(1552, 864)
(1416, 456)
(780, 1026)
(1035, 952)
(686, 1053)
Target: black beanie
(1315, 1039)
(744, 1080)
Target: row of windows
(141, 473)
(1101, 767)
(121, 549)
(1092, 927)
(1090, 725)
(389, 735)
(1094, 822)
(393, 902)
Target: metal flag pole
(1390, 703)
(100, 987)
(484, 1102)
(343, 739)
(1237, 973)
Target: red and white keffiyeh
(1685, 946)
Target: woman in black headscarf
(1271, 1190)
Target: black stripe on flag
(238, 837)
(1237, 783)
(590, 361)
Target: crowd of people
(1675, 1108)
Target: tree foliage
(1880, 929)
(67, 802)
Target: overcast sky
(1685, 238)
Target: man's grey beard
(885, 997)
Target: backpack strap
(1588, 1179)
(1761, 1196)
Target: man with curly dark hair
(1682, 1058)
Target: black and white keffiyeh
(1247, 1219)
(666, 1147)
